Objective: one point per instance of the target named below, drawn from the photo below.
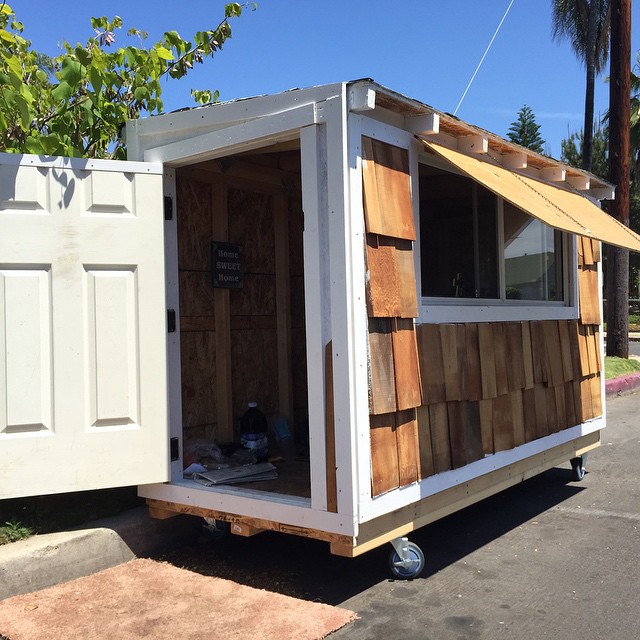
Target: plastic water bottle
(254, 432)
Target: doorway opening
(242, 335)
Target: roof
(450, 128)
(450, 125)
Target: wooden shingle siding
(444, 395)
(431, 371)
(382, 385)
(384, 453)
(395, 387)
(406, 367)
(547, 387)
(589, 254)
(388, 208)
(588, 291)
(424, 442)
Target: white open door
(83, 391)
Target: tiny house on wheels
(417, 301)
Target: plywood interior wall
(247, 344)
(442, 396)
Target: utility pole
(619, 124)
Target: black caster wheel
(406, 559)
(577, 467)
(215, 529)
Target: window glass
(486, 251)
(473, 248)
(532, 257)
(458, 236)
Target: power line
(483, 57)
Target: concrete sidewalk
(44, 560)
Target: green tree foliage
(572, 154)
(572, 149)
(525, 131)
(586, 24)
(76, 103)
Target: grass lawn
(22, 517)
(616, 367)
(634, 323)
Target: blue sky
(424, 49)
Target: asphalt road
(549, 558)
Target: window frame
(441, 309)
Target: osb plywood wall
(238, 345)
(442, 396)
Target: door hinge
(168, 208)
(174, 448)
(171, 320)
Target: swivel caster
(406, 559)
(577, 467)
(215, 529)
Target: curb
(49, 559)
(622, 385)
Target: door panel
(83, 391)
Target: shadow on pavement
(304, 568)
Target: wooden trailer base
(403, 521)
(245, 526)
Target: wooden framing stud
(361, 99)
(244, 530)
(581, 183)
(473, 144)
(553, 174)
(444, 139)
(603, 193)
(515, 160)
(157, 513)
(423, 125)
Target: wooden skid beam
(246, 523)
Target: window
(476, 245)
(532, 257)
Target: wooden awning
(554, 205)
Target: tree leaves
(164, 54)
(525, 131)
(76, 104)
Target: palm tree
(586, 24)
(634, 133)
